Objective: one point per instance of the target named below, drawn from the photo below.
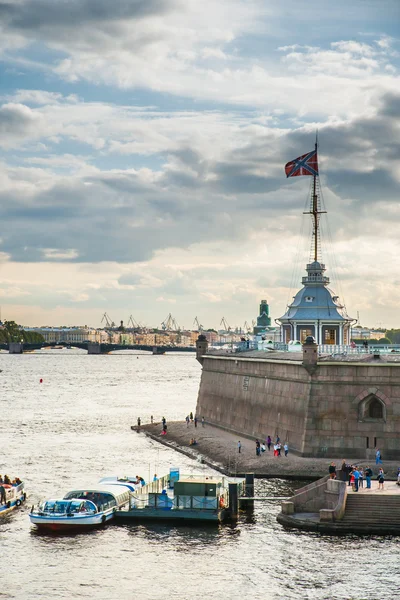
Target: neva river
(75, 427)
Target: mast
(314, 209)
(315, 212)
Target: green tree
(393, 335)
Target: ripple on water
(75, 427)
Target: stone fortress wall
(320, 406)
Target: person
(356, 475)
(7, 480)
(350, 471)
(138, 422)
(279, 448)
(187, 420)
(191, 416)
(1, 479)
(378, 457)
(262, 447)
(332, 470)
(202, 421)
(193, 442)
(368, 475)
(361, 479)
(398, 475)
(352, 480)
(275, 449)
(286, 448)
(155, 478)
(163, 421)
(239, 445)
(2, 494)
(343, 471)
(195, 420)
(151, 419)
(278, 439)
(269, 442)
(142, 481)
(381, 479)
(258, 452)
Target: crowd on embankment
(221, 448)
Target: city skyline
(142, 155)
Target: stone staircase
(373, 511)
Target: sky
(142, 153)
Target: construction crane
(197, 325)
(225, 324)
(246, 327)
(108, 322)
(170, 324)
(135, 324)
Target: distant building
(263, 320)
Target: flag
(304, 165)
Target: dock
(333, 507)
(193, 498)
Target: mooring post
(233, 500)
(249, 479)
(249, 492)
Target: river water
(74, 428)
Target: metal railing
(322, 348)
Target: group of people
(355, 475)
(190, 419)
(6, 481)
(193, 442)
(261, 446)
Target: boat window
(102, 500)
(57, 506)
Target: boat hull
(15, 497)
(76, 522)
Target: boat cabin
(68, 506)
(103, 497)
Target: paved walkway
(389, 488)
(220, 446)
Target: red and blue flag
(304, 165)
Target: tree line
(11, 332)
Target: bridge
(93, 348)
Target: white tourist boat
(14, 496)
(81, 508)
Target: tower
(316, 310)
(263, 320)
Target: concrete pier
(158, 350)
(331, 506)
(94, 349)
(16, 348)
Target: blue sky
(142, 149)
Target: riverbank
(219, 448)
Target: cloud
(227, 189)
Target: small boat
(81, 509)
(14, 496)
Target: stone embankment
(219, 449)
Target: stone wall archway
(372, 406)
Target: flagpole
(315, 211)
